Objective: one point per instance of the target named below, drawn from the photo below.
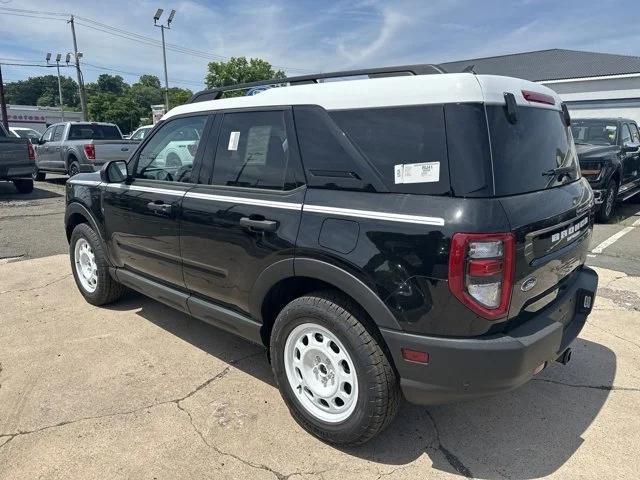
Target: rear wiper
(560, 171)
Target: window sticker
(427, 172)
(234, 139)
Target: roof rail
(420, 69)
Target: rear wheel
(23, 185)
(331, 371)
(90, 267)
(608, 207)
(74, 168)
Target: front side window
(57, 133)
(626, 134)
(635, 136)
(170, 153)
(253, 151)
(48, 134)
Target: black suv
(422, 234)
(609, 155)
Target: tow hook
(564, 357)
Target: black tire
(107, 289)
(23, 185)
(74, 168)
(38, 175)
(378, 387)
(608, 207)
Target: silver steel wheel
(85, 263)
(321, 373)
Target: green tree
(240, 70)
(43, 91)
(150, 81)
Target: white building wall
(615, 96)
(38, 118)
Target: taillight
(32, 151)
(481, 272)
(90, 151)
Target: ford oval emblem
(528, 284)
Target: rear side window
(406, 146)
(635, 136)
(626, 134)
(94, 132)
(527, 152)
(253, 151)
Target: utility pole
(58, 57)
(78, 56)
(156, 17)
(3, 103)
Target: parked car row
(421, 235)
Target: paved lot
(141, 391)
(138, 390)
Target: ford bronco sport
(414, 233)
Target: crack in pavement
(615, 335)
(607, 388)
(219, 375)
(453, 460)
(30, 289)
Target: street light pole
(78, 56)
(3, 104)
(156, 17)
(58, 56)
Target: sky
(301, 36)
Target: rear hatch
(537, 177)
(531, 167)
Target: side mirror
(41, 141)
(114, 172)
(630, 147)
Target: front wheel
(23, 185)
(608, 207)
(331, 371)
(38, 176)
(90, 267)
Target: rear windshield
(94, 132)
(595, 132)
(528, 153)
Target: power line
(127, 35)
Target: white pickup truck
(74, 147)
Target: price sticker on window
(427, 172)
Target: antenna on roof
(470, 69)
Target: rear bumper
(465, 368)
(9, 172)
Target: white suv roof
(384, 92)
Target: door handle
(266, 225)
(159, 207)
(57, 149)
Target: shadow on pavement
(9, 192)
(528, 433)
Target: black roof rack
(420, 69)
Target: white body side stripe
(90, 183)
(391, 217)
(345, 212)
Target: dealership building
(38, 118)
(592, 84)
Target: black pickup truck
(17, 161)
(609, 154)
